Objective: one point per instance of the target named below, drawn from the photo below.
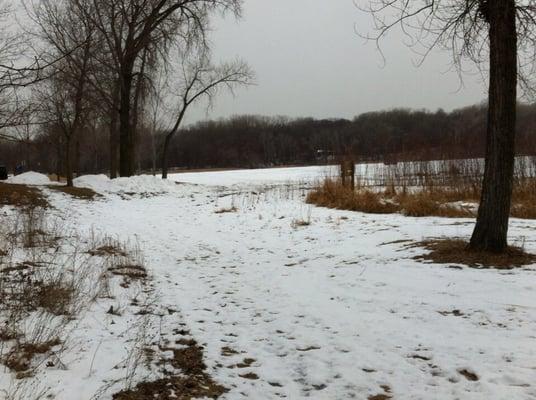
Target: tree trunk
(114, 151)
(165, 151)
(68, 162)
(491, 228)
(113, 145)
(126, 145)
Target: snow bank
(30, 178)
(134, 184)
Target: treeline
(257, 141)
(385, 136)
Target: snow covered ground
(255, 177)
(292, 301)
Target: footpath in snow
(292, 301)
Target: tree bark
(491, 228)
(165, 150)
(114, 151)
(126, 145)
(68, 161)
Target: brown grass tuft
(333, 194)
(56, 298)
(193, 383)
(108, 250)
(76, 192)
(456, 251)
(20, 357)
(430, 201)
(426, 204)
(22, 196)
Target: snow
(254, 177)
(337, 309)
(30, 178)
(137, 184)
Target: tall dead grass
(421, 189)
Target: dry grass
(426, 201)
(56, 297)
(193, 383)
(333, 194)
(456, 251)
(524, 199)
(22, 196)
(429, 203)
(19, 359)
(76, 192)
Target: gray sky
(309, 61)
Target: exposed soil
(470, 376)
(22, 196)
(79, 193)
(20, 358)
(456, 251)
(194, 382)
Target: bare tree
(69, 38)
(128, 28)
(484, 31)
(199, 80)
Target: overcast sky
(309, 61)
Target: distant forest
(256, 141)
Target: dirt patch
(176, 388)
(246, 363)
(226, 210)
(383, 396)
(455, 313)
(130, 271)
(470, 376)
(107, 250)
(380, 397)
(228, 352)
(22, 196)
(456, 251)
(76, 192)
(250, 375)
(19, 359)
(193, 383)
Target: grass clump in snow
(433, 197)
(333, 194)
(193, 382)
(76, 192)
(22, 196)
(456, 251)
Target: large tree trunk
(126, 145)
(491, 228)
(114, 142)
(165, 151)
